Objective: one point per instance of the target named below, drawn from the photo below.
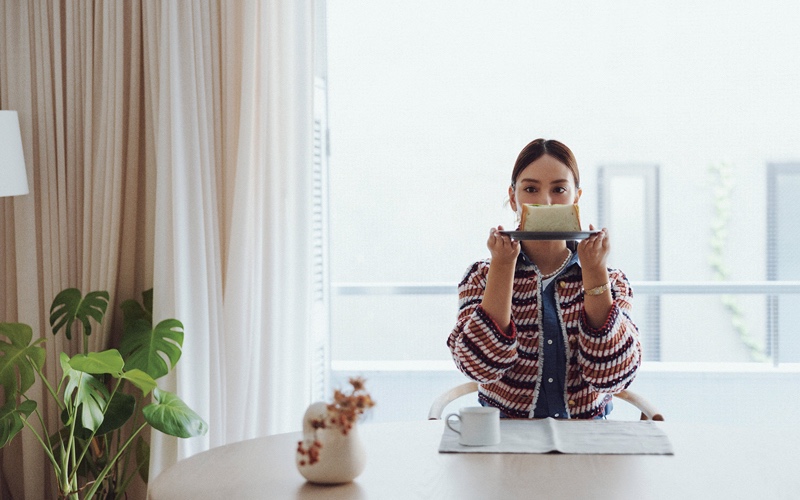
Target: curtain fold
(67, 68)
(21, 251)
(168, 144)
(187, 266)
(233, 236)
(271, 210)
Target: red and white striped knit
(506, 365)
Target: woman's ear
(578, 196)
(511, 198)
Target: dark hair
(540, 147)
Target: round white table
(711, 461)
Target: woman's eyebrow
(537, 181)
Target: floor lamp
(13, 179)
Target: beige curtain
(168, 144)
(71, 69)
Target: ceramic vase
(340, 458)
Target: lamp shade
(13, 179)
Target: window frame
(649, 173)
(774, 170)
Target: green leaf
(80, 432)
(132, 312)
(11, 417)
(118, 411)
(16, 373)
(84, 392)
(63, 310)
(141, 380)
(171, 416)
(144, 348)
(97, 363)
(69, 306)
(65, 367)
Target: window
(629, 208)
(783, 259)
(678, 107)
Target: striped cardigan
(506, 365)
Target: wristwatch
(598, 290)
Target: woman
(544, 327)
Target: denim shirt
(550, 402)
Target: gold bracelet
(598, 289)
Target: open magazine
(613, 437)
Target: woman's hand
(504, 250)
(593, 252)
(500, 278)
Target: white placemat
(548, 435)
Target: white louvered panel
(783, 263)
(320, 314)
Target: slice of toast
(550, 218)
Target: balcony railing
(771, 289)
(640, 287)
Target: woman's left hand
(593, 251)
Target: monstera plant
(104, 397)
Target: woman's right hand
(502, 247)
(500, 279)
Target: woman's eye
(530, 189)
(560, 190)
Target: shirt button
(562, 284)
(556, 415)
(550, 341)
(550, 379)
(571, 402)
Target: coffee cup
(480, 425)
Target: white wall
(430, 102)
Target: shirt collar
(523, 259)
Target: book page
(570, 436)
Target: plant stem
(110, 464)
(91, 438)
(63, 481)
(73, 478)
(46, 383)
(121, 473)
(68, 456)
(127, 480)
(47, 449)
(133, 425)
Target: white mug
(480, 425)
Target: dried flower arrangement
(342, 414)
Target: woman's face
(546, 181)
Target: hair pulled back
(540, 147)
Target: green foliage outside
(722, 180)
